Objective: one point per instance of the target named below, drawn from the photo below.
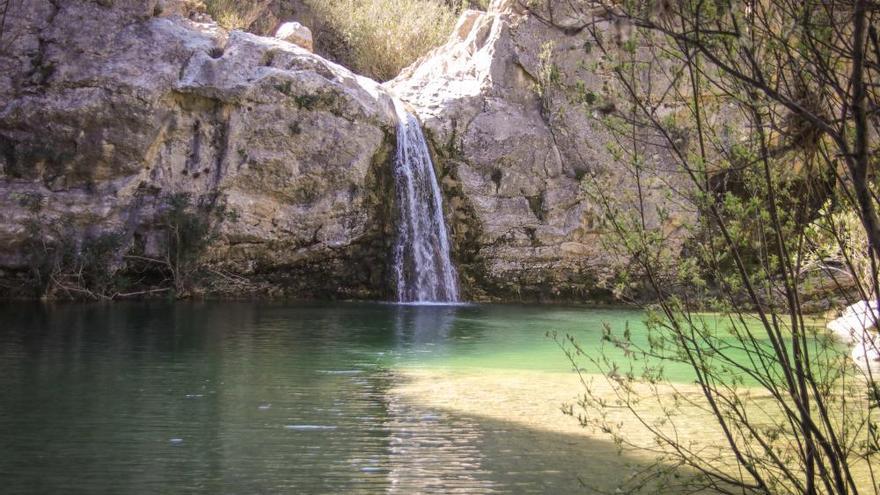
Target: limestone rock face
(109, 108)
(512, 154)
(111, 111)
(297, 34)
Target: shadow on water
(243, 397)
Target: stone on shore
(855, 322)
(866, 354)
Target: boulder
(866, 355)
(297, 34)
(857, 326)
(855, 322)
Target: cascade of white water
(422, 265)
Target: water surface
(220, 397)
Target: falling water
(421, 251)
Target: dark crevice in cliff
(536, 204)
(496, 177)
(221, 142)
(195, 147)
(7, 151)
(182, 71)
(41, 69)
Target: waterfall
(421, 251)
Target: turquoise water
(221, 397)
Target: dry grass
(381, 37)
(236, 14)
(376, 38)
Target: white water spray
(421, 251)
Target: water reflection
(422, 324)
(266, 398)
(430, 451)
(146, 398)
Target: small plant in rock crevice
(62, 264)
(187, 225)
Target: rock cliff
(509, 104)
(115, 116)
(112, 109)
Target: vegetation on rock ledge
(376, 38)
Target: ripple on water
(310, 427)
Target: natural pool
(237, 397)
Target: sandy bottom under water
(525, 411)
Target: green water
(268, 398)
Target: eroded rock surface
(109, 108)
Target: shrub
(187, 228)
(63, 265)
(792, 412)
(376, 38)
